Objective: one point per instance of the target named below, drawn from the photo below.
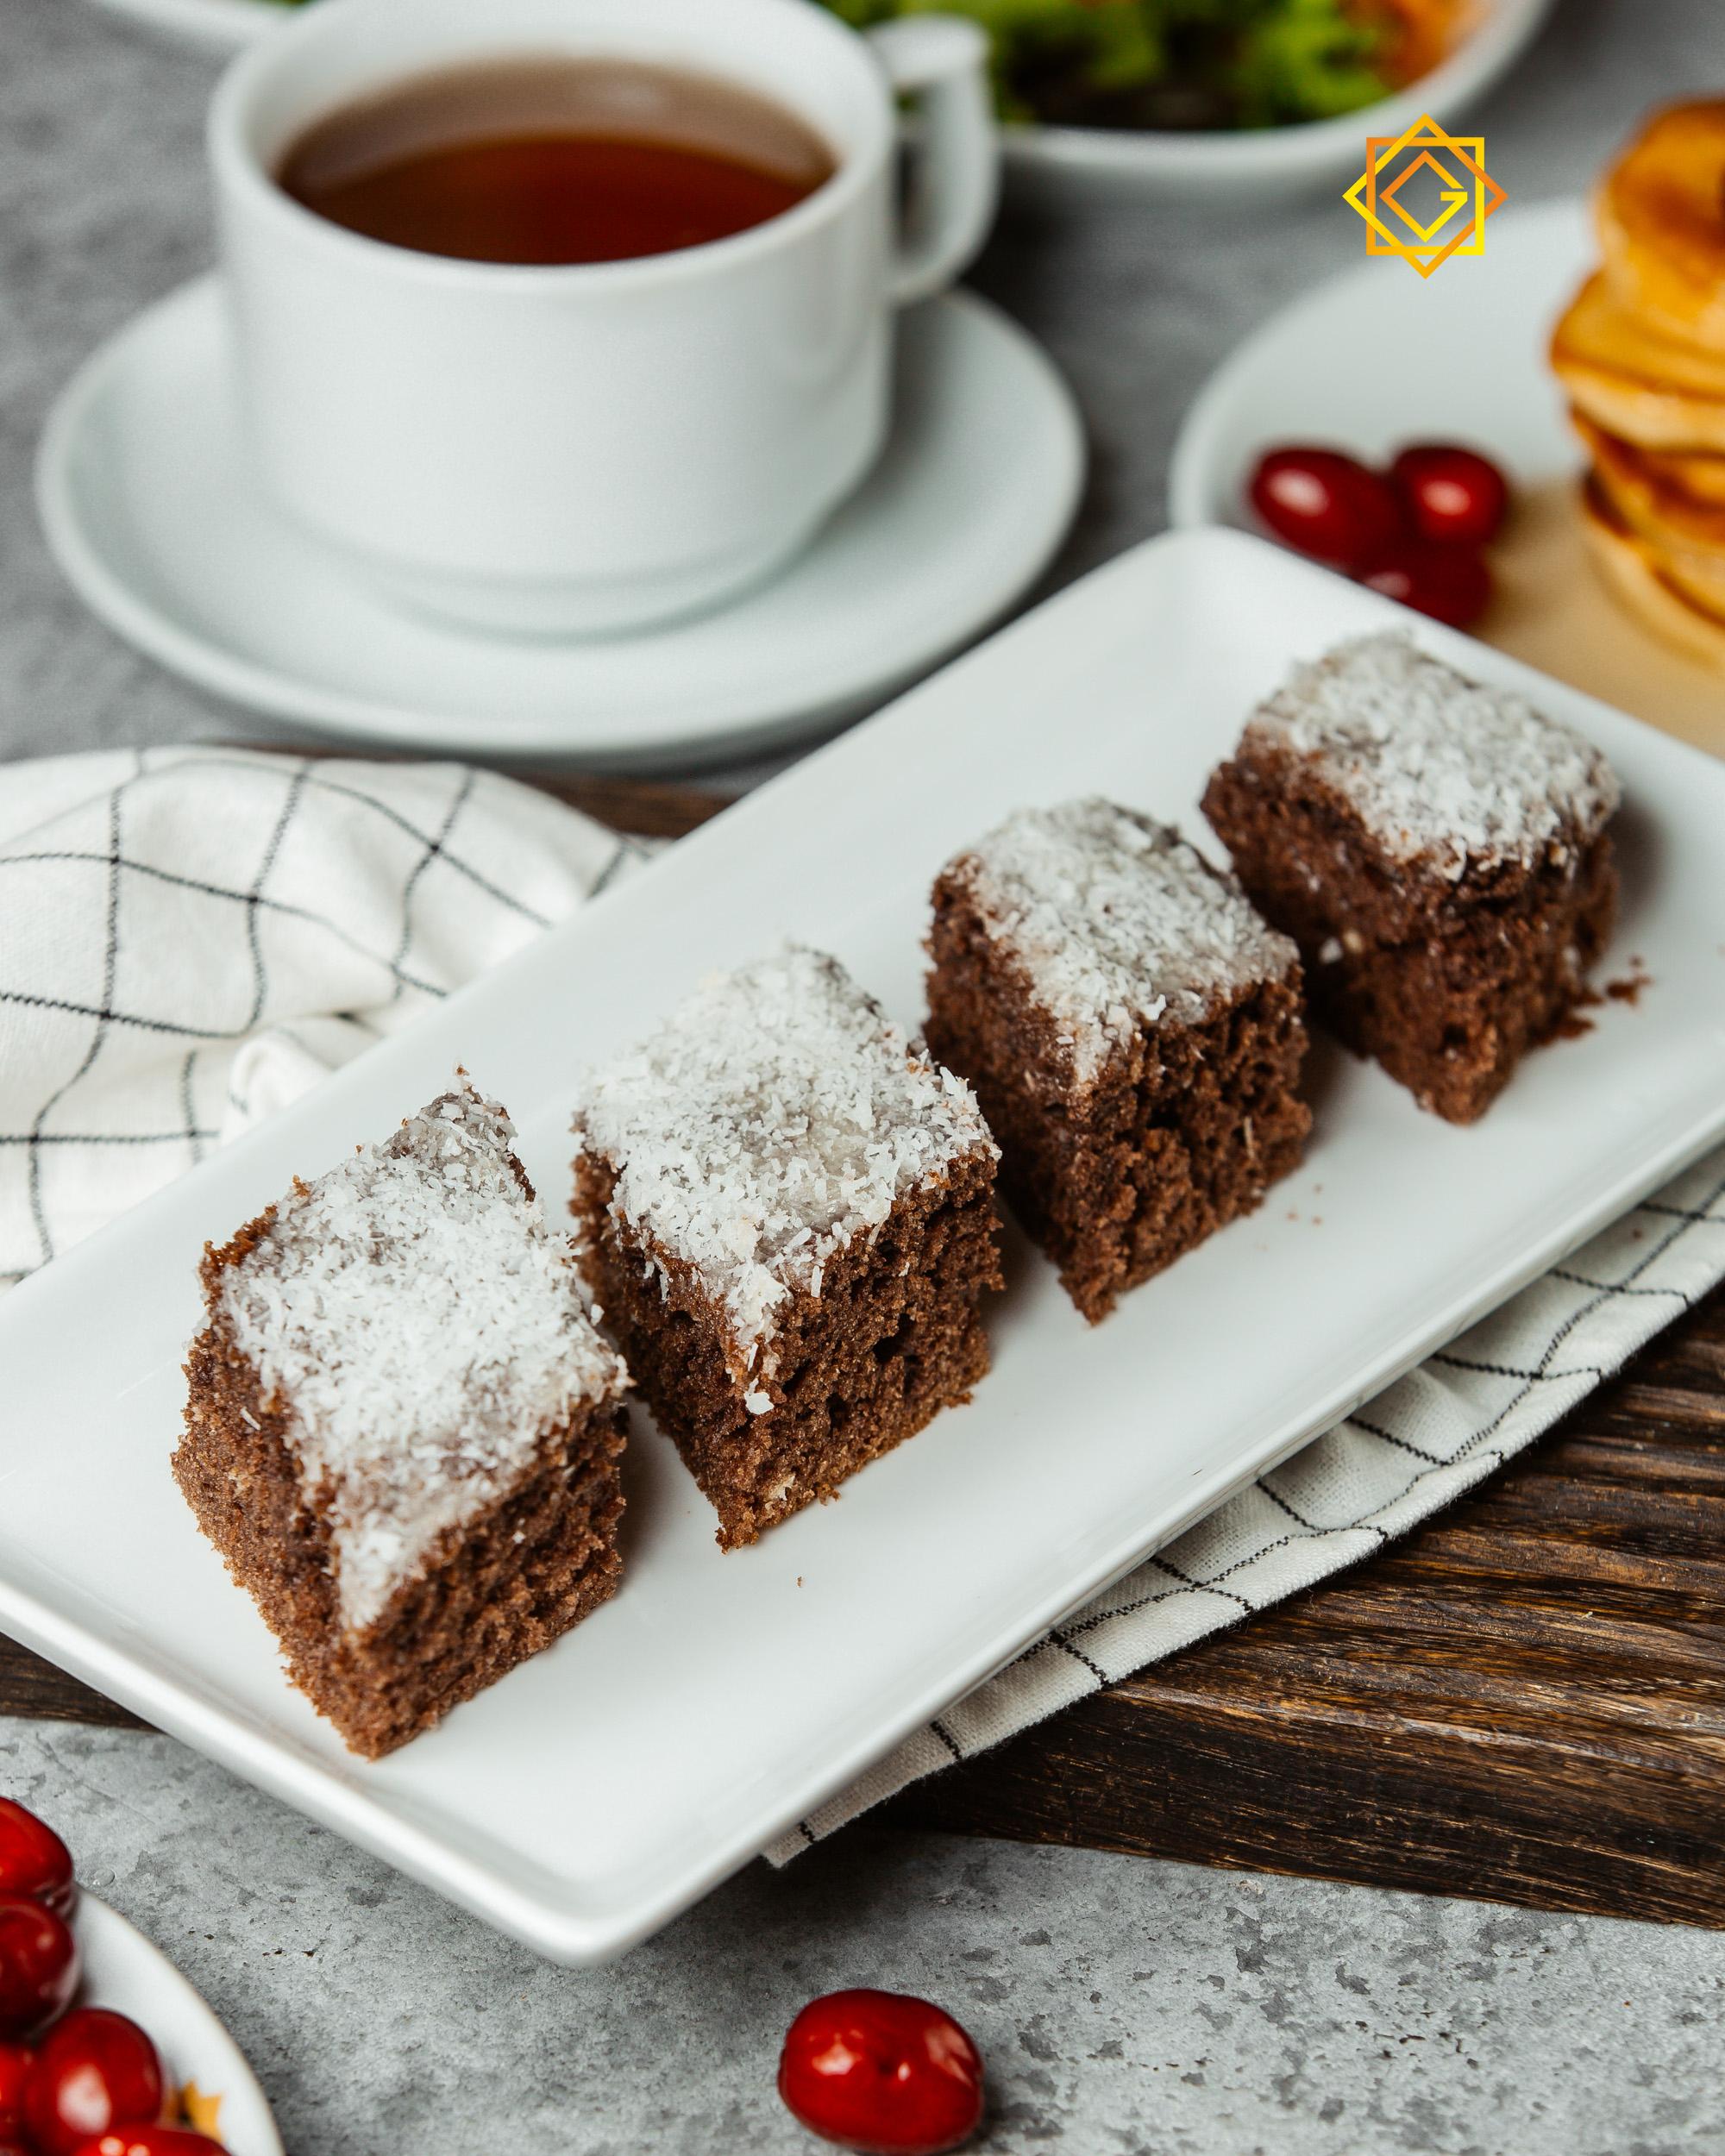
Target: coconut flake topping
(1116, 921)
(776, 1115)
(423, 1332)
(1436, 766)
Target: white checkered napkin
(190, 937)
(1418, 1445)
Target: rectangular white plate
(594, 1793)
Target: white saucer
(150, 507)
(1378, 357)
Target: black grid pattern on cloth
(1668, 1226)
(112, 867)
(186, 1137)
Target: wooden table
(1524, 1700)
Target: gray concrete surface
(1124, 2006)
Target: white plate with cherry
(1376, 359)
(105, 2049)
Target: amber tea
(556, 160)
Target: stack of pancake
(1642, 354)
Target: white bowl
(1081, 164)
(1077, 164)
(220, 26)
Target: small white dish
(151, 507)
(1378, 357)
(1074, 163)
(720, 1698)
(123, 1972)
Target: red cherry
(1452, 494)
(95, 2072)
(882, 2074)
(33, 1860)
(1451, 584)
(38, 1966)
(1330, 506)
(15, 2067)
(149, 2140)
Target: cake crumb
(1628, 988)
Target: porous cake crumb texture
(421, 1332)
(1132, 1031)
(1115, 921)
(402, 1431)
(1440, 769)
(1438, 851)
(788, 1210)
(773, 1118)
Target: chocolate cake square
(1439, 852)
(403, 1432)
(1132, 1031)
(787, 1211)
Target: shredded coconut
(1116, 921)
(423, 1331)
(1437, 767)
(776, 1115)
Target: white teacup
(590, 448)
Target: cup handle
(942, 61)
